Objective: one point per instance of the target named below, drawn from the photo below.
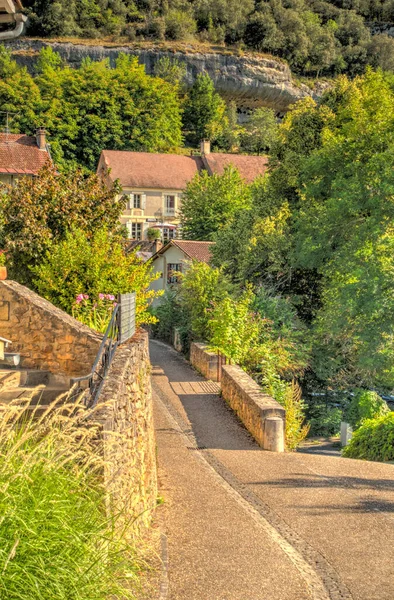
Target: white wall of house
(162, 264)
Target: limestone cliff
(251, 80)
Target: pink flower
(101, 296)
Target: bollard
(346, 433)
(274, 434)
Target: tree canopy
(39, 212)
(91, 108)
(210, 202)
(319, 229)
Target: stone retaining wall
(204, 361)
(46, 337)
(125, 414)
(262, 416)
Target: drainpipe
(11, 34)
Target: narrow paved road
(244, 524)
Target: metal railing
(120, 329)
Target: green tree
(200, 287)
(41, 211)
(344, 231)
(211, 201)
(91, 108)
(92, 265)
(204, 114)
(229, 139)
(171, 70)
(261, 131)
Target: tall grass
(56, 539)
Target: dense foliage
(205, 111)
(91, 108)
(325, 37)
(57, 538)
(210, 202)
(319, 229)
(374, 440)
(365, 405)
(38, 212)
(93, 265)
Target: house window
(172, 268)
(135, 230)
(169, 233)
(135, 201)
(169, 205)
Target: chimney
(205, 146)
(41, 138)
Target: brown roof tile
(194, 250)
(148, 170)
(249, 167)
(19, 154)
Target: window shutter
(143, 201)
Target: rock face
(251, 80)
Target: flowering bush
(90, 265)
(95, 313)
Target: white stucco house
(175, 257)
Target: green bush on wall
(365, 405)
(374, 440)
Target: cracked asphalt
(244, 524)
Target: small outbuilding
(174, 258)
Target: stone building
(153, 183)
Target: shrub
(365, 405)
(373, 440)
(201, 286)
(179, 25)
(93, 266)
(234, 330)
(169, 314)
(289, 396)
(153, 234)
(56, 539)
(324, 420)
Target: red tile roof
(148, 170)
(19, 154)
(194, 250)
(249, 167)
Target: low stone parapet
(204, 361)
(262, 416)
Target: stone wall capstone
(46, 337)
(262, 416)
(125, 416)
(204, 361)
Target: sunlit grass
(56, 538)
